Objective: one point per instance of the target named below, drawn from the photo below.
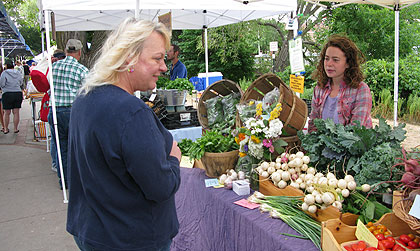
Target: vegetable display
(356, 150)
(180, 84)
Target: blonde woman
(123, 164)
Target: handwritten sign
(211, 182)
(247, 204)
(186, 162)
(297, 83)
(296, 55)
(363, 234)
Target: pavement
(32, 210)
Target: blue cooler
(213, 77)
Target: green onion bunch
(288, 209)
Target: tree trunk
(88, 55)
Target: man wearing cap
(68, 77)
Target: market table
(209, 221)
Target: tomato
(348, 248)
(371, 249)
(411, 236)
(412, 244)
(387, 243)
(380, 237)
(387, 233)
(357, 247)
(405, 238)
(381, 246)
(362, 244)
(369, 224)
(417, 240)
(398, 248)
(402, 243)
(391, 239)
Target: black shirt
(26, 69)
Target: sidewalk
(32, 212)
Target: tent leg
(396, 63)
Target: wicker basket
(223, 88)
(216, 164)
(294, 110)
(401, 209)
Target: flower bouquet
(260, 135)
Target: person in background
(26, 73)
(19, 68)
(32, 66)
(340, 93)
(123, 163)
(11, 83)
(178, 69)
(68, 76)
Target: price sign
(363, 234)
(274, 46)
(297, 83)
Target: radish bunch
(321, 190)
(411, 177)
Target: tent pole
(396, 62)
(136, 16)
(206, 53)
(42, 44)
(54, 110)
(2, 57)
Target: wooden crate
(335, 232)
(268, 188)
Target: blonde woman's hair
(123, 45)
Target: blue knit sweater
(122, 180)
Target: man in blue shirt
(178, 69)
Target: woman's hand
(176, 152)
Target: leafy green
(185, 145)
(180, 84)
(368, 154)
(368, 209)
(213, 142)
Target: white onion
(310, 189)
(328, 198)
(299, 180)
(265, 165)
(284, 166)
(332, 182)
(234, 175)
(311, 170)
(264, 174)
(304, 167)
(323, 181)
(241, 175)
(292, 157)
(309, 176)
(300, 154)
(271, 169)
(365, 188)
(351, 185)
(318, 198)
(338, 190)
(319, 175)
(338, 205)
(309, 199)
(292, 171)
(342, 184)
(278, 160)
(306, 159)
(298, 162)
(282, 184)
(294, 184)
(284, 154)
(330, 176)
(312, 209)
(305, 206)
(276, 177)
(345, 193)
(348, 178)
(285, 176)
(222, 179)
(278, 165)
(302, 186)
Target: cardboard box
(241, 187)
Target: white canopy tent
(396, 6)
(85, 15)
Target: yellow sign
(296, 83)
(363, 234)
(166, 19)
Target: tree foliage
(372, 28)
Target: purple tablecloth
(209, 221)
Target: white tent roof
(84, 15)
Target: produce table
(210, 221)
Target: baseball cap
(74, 45)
